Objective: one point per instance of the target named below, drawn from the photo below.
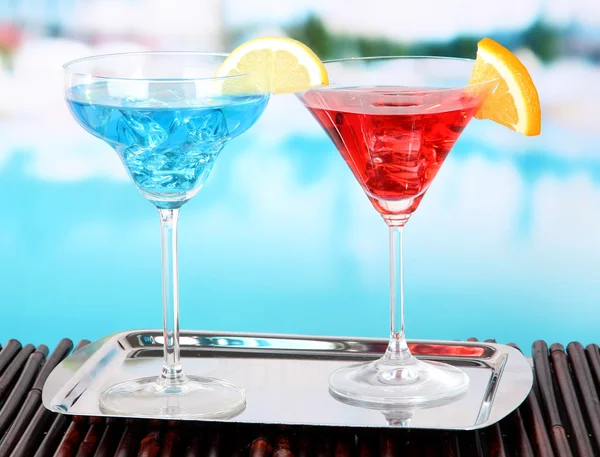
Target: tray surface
(286, 377)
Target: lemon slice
(273, 64)
(515, 102)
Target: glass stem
(397, 350)
(172, 374)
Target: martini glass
(394, 121)
(168, 118)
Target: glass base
(409, 384)
(195, 398)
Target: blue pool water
(167, 140)
(506, 243)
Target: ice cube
(96, 118)
(129, 101)
(138, 129)
(403, 144)
(207, 128)
(122, 88)
(173, 96)
(151, 103)
(155, 160)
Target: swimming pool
(506, 244)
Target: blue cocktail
(168, 117)
(167, 143)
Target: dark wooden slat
(325, 446)
(496, 444)
(110, 438)
(54, 435)
(304, 446)
(150, 446)
(194, 445)
(260, 448)
(214, 444)
(81, 345)
(23, 434)
(12, 371)
(8, 353)
(21, 422)
(387, 445)
(559, 438)
(592, 352)
(129, 444)
(450, 446)
(412, 447)
(34, 433)
(578, 428)
(523, 444)
(282, 447)
(544, 382)
(543, 377)
(430, 448)
(469, 445)
(60, 352)
(238, 444)
(25, 429)
(151, 423)
(21, 430)
(171, 443)
(365, 446)
(540, 439)
(73, 437)
(90, 442)
(16, 397)
(344, 447)
(585, 384)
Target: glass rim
(66, 66)
(410, 57)
(415, 58)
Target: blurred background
(506, 244)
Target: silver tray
(286, 377)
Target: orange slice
(515, 102)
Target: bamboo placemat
(560, 418)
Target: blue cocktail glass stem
(172, 374)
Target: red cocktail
(394, 121)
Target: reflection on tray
(446, 349)
(202, 346)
